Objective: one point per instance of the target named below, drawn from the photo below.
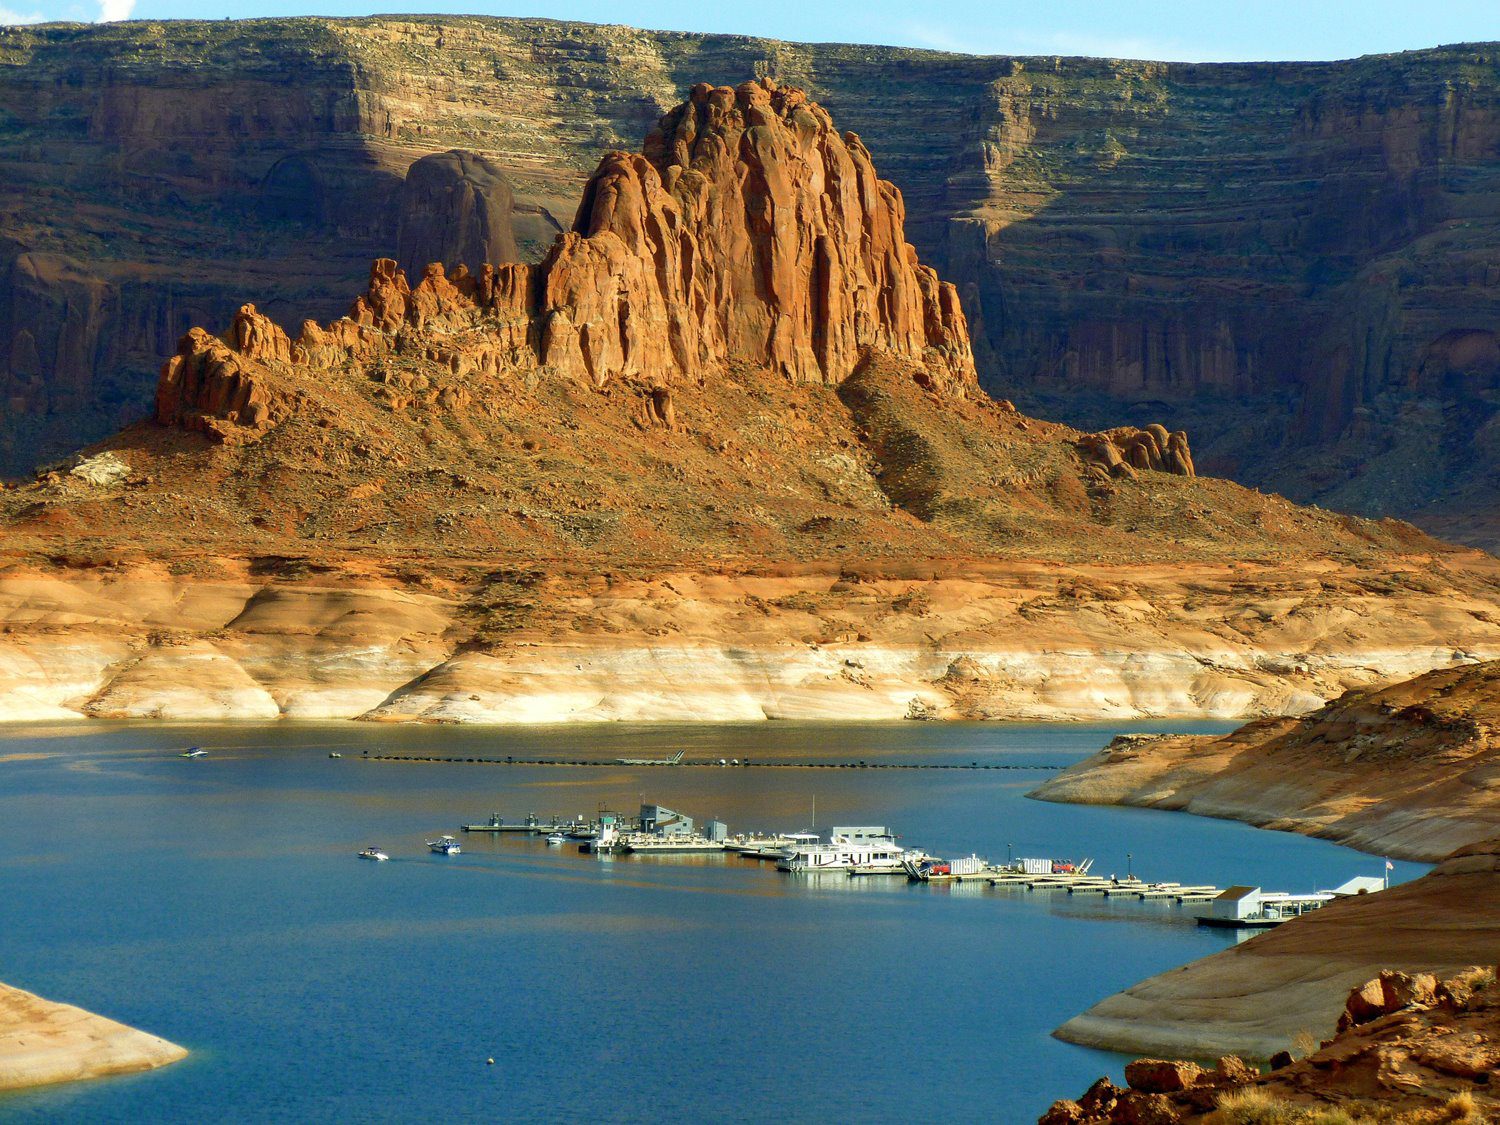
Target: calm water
(218, 902)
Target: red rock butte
(748, 232)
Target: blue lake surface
(218, 902)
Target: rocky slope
(1292, 261)
(1405, 770)
(42, 1042)
(720, 454)
(1255, 998)
(1410, 1050)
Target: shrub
(1463, 1108)
(1252, 1105)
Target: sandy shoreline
(43, 1042)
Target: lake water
(218, 902)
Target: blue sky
(1201, 30)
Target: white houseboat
(866, 848)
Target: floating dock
(530, 827)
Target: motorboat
(194, 752)
(444, 845)
(556, 839)
(372, 852)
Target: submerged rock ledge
(44, 1042)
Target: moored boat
(648, 844)
(868, 849)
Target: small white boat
(444, 845)
(557, 838)
(372, 852)
(195, 752)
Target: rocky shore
(1255, 998)
(1404, 769)
(1409, 1049)
(42, 1042)
(1408, 769)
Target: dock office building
(663, 821)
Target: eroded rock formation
(1121, 452)
(748, 232)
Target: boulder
(1406, 990)
(1063, 1112)
(1100, 1098)
(1365, 1003)
(103, 470)
(1232, 1070)
(1160, 1076)
(1137, 1108)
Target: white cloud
(112, 10)
(8, 16)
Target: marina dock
(868, 852)
(531, 826)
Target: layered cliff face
(457, 207)
(1293, 262)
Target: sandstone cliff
(1409, 769)
(457, 208)
(1293, 262)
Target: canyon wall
(1296, 262)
